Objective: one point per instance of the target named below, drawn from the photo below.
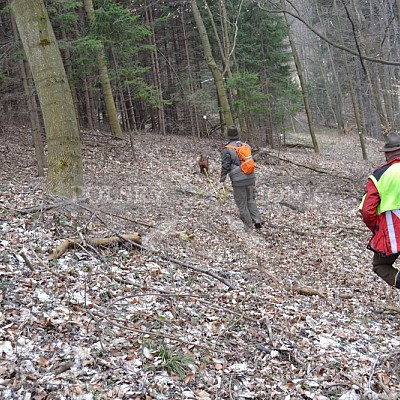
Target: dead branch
(298, 146)
(392, 308)
(183, 264)
(46, 207)
(326, 39)
(97, 242)
(27, 261)
(175, 261)
(383, 360)
(200, 269)
(64, 366)
(114, 215)
(306, 291)
(291, 206)
(303, 290)
(122, 324)
(311, 167)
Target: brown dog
(203, 164)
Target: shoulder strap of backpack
(229, 146)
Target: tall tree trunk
(65, 173)
(34, 117)
(194, 118)
(105, 79)
(212, 65)
(353, 92)
(156, 74)
(88, 104)
(303, 88)
(33, 110)
(124, 113)
(359, 21)
(69, 70)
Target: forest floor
(203, 310)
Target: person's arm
(225, 164)
(370, 206)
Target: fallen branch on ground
(186, 265)
(45, 207)
(311, 167)
(298, 145)
(303, 290)
(102, 241)
(200, 269)
(135, 240)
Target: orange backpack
(247, 163)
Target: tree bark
(212, 65)
(105, 79)
(156, 73)
(65, 173)
(353, 95)
(303, 89)
(194, 118)
(359, 21)
(33, 110)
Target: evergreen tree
(270, 59)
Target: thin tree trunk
(105, 80)
(32, 108)
(124, 112)
(212, 65)
(156, 73)
(34, 117)
(369, 69)
(303, 88)
(194, 119)
(69, 71)
(88, 104)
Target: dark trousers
(383, 267)
(245, 199)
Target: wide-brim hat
(392, 143)
(233, 133)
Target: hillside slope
(204, 310)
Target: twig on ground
(27, 261)
(44, 207)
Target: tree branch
(324, 38)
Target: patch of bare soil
(202, 310)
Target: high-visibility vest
(387, 182)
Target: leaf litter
(307, 318)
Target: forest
(124, 271)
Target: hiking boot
(257, 225)
(397, 281)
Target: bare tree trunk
(194, 118)
(69, 71)
(121, 94)
(303, 88)
(33, 110)
(212, 65)
(369, 69)
(156, 73)
(105, 80)
(65, 172)
(353, 95)
(88, 104)
(34, 117)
